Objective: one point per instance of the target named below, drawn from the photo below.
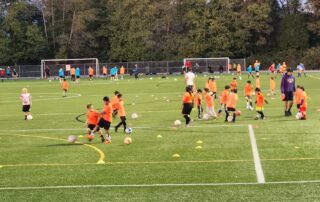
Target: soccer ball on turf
(72, 138)
(230, 119)
(205, 117)
(134, 116)
(29, 117)
(128, 130)
(298, 116)
(127, 140)
(177, 122)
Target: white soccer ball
(230, 118)
(177, 122)
(134, 116)
(205, 116)
(298, 116)
(29, 117)
(72, 138)
(128, 130)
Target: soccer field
(276, 159)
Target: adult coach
(288, 88)
(189, 78)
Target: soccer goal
(207, 64)
(55, 64)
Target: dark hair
(298, 86)
(302, 88)
(258, 90)
(89, 105)
(64, 79)
(116, 92)
(234, 78)
(271, 78)
(199, 90)
(257, 76)
(289, 70)
(119, 95)
(206, 89)
(248, 81)
(188, 89)
(106, 99)
(235, 91)
(227, 87)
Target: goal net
(55, 64)
(211, 65)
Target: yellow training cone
(198, 147)
(101, 162)
(175, 156)
(199, 142)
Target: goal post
(204, 64)
(83, 63)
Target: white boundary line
(157, 185)
(256, 158)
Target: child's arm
(266, 101)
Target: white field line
(158, 185)
(256, 158)
(314, 77)
(138, 127)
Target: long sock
(227, 115)
(261, 114)
(234, 117)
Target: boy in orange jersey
(65, 87)
(105, 119)
(122, 72)
(239, 71)
(258, 83)
(259, 104)
(122, 114)
(297, 96)
(104, 72)
(198, 102)
(272, 86)
(303, 104)
(92, 122)
(223, 99)
(187, 105)
(209, 103)
(234, 84)
(232, 105)
(115, 103)
(73, 74)
(91, 72)
(248, 92)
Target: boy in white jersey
(189, 79)
(26, 102)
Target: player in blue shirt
(249, 70)
(77, 75)
(61, 74)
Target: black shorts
(104, 124)
(112, 75)
(90, 76)
(104, 74)
(92, 127)
(231, 109)
(123, 118)
(77, 77)
(73, 76)
(62, 77)
(288, 96)
(187, 108)
(26, 108)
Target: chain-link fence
(146, 67)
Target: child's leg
(234, 117)
(187, 118)
(261, 114)
(213, 112)
(227, 115)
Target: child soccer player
(239, 71)
(258, 83)
(297, 96)
(272, 86)
(303, 104)
(91, 72)
(231, 105)
(73, 74)
(259, 104)
(223, 99)
(199, 103)
(122, 114)
(105, 119)
(104, 72)
(26, 102)
(187, 105)
(249, 70)
(234, 84)
(65, 87)
(115, 103)
(77, 75)
(92, 122)
(248, 92)
(122, 71)
(209, 103)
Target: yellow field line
(152, 162)
(101, 154)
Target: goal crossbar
(227, 59)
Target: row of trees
(131, 30)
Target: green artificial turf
(35, 154)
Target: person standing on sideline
(73, 74)
(122, 72)
(136, 71)
(288, 88)
(104, 72)
(189, 79)
(61, 75)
